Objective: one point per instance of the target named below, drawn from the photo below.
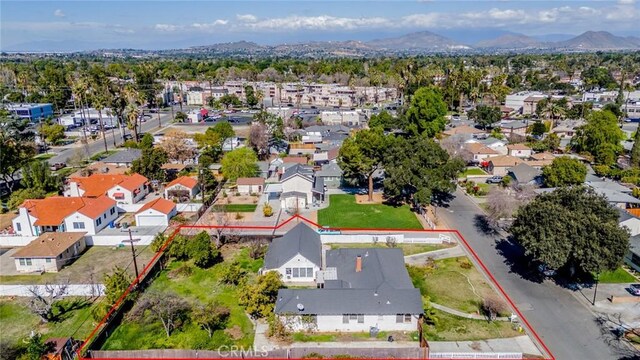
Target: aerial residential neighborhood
(416, 180)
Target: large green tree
(635, 150)
(150, 164)
(37, 175)
(564, 171)
(485, 116)
(361, 155)
(572, 228)
(600, 136)
(240, 162)
(426, 112)
(383, 120)
(419, 171)
(16, 147)
(52, 133)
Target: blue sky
(81, 25)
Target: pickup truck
(494, 179)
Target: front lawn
(452, 282)
(45, 156)
(617, 276)
(101, 155)
(235, 207)
(352, 336)
(202, 285)
(344, 212)
(472, 171)
(407, 249)
(453, 328)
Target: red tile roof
(162, 205)
(53, 210)
(94, 207)
(98, 184)
(185, 181)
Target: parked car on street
(57, 166)
(545, 270)
(496, 179)
(635, 289)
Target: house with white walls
(296, 256)
(50, 251)
(182, 189)
(125, 189)
(156, 213)
(300, 187)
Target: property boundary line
(145, 272)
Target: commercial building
(32, 112)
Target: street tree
(418, 171)
(240, 162)
(485, 116)
(52, 133)
(564, 171)
(501, 206)
(250, 96)
(259, 139)
(224, 130)
(150, 164)
(361, 155)
(229, 100)
(259, 297)
(600, 137)
(426, 112)
(180, 116)
(572, 228)
(146, 142)
(210, 316)
(17, 147)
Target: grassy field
(472, 171)
(407, 249)
(452, 282)
(453, 328)
(202, 285)
(18, 321)
(88, 268)
(236, 207)
(344, 212)
(618, 276)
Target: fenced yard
(344, 212)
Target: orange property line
(177, 230)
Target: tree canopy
(426, 112)
(362, 154)
(600, 137)
(572, 228)
(240, 162)
(16, 147)
(150, 164)
(259, 298)
(384, 120)
(635, 150)
(485, 116)
(564, 171)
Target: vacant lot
(452, 282)
(407, 249)
(88, 268)
(202, 285)
(344, 212)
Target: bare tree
(500, 205)
(175, 145)
(167, 307)
(455, 147)
(259, 139)
(222, 233)
(492, 306)
(43, 298)
(615, 331)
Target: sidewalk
(517, 344)
(419, 259)
(463, 314)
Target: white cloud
(58, 13)
(166, 27)
(626, 2)
(209, 26)
(247, 17)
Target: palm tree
(133, 113)
(99, 102)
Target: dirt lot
(89, 267)
(232, 199)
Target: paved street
(565, 325)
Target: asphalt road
(565, 325)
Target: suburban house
(496, 144)
(300, 187)
(156, 213)
(62, 214)
(296, 255)
(466, 131)
(514, 127)
(630, 221)
(50, 251)
(519, 150)
(524, 174)
(123, 158)
(632, 258)
(125, 189)
(480, 152)
(251, 185)
(358, 289)
(182, 189)
(301, 149)
(331, 175)
(498, 165)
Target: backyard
(407, 249)
(201, 285)
(344, 212)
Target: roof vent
(388, 302)
(300, 307)
(375, 293)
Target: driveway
(565, 325)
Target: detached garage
(156, 213)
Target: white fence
(129, 208)
(188, 207)
(399, 238)
(72, 290)
(112, 240)
(480, 355)
(15, 240)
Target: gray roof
(624, 215)
(124, 156)
(524, 173)
(301, 240)
(382, 287)
(330, 169)
(516, 124)
(289, 194)
(607, 185)
(318, 185)
(328, 129)
(634, 244)
(617, 196)
(490, 141)
(263, 166)
(297, 169)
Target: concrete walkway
(420, 259)
(517, 344)
(463, 314)
(261, 340)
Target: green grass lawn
(351, 336)
(344, 212)
(472, 171)
(201, 286)
(17, 321)
(101, 155)
(453, 328)
(45, 156)
(236, 207)
(407, 249)
(452, 282)
(617, 276)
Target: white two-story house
(300, 187)
(125, 189)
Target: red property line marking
(296, 216)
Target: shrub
(232, 274)
(492, 306)
(267, 210)
(465, 263)
(391, 241)
(182, 271)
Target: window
(296, 272)
(113, 210)
(407, 318)
(22, 262)
(28, 261)
(288, 271)
(361, 319)
(403, 318)
(104, 216)
(98, 221)
(353, 317)
(345, 318)
(48, 260)
(18, 227)
(78, 225)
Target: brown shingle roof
(250, 181)
(50, 244)
(518, 147)
(464, 129)
(505, 160)
(295, 159)
(543, 156)
(477, 148)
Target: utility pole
(596, 289)
(131, 241)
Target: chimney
(358, 263)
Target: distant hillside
(511, 41)
(232, 46)
(597, 40)
(423, 40)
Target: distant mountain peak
(598, 40)
(422, 40)
(510, 41)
